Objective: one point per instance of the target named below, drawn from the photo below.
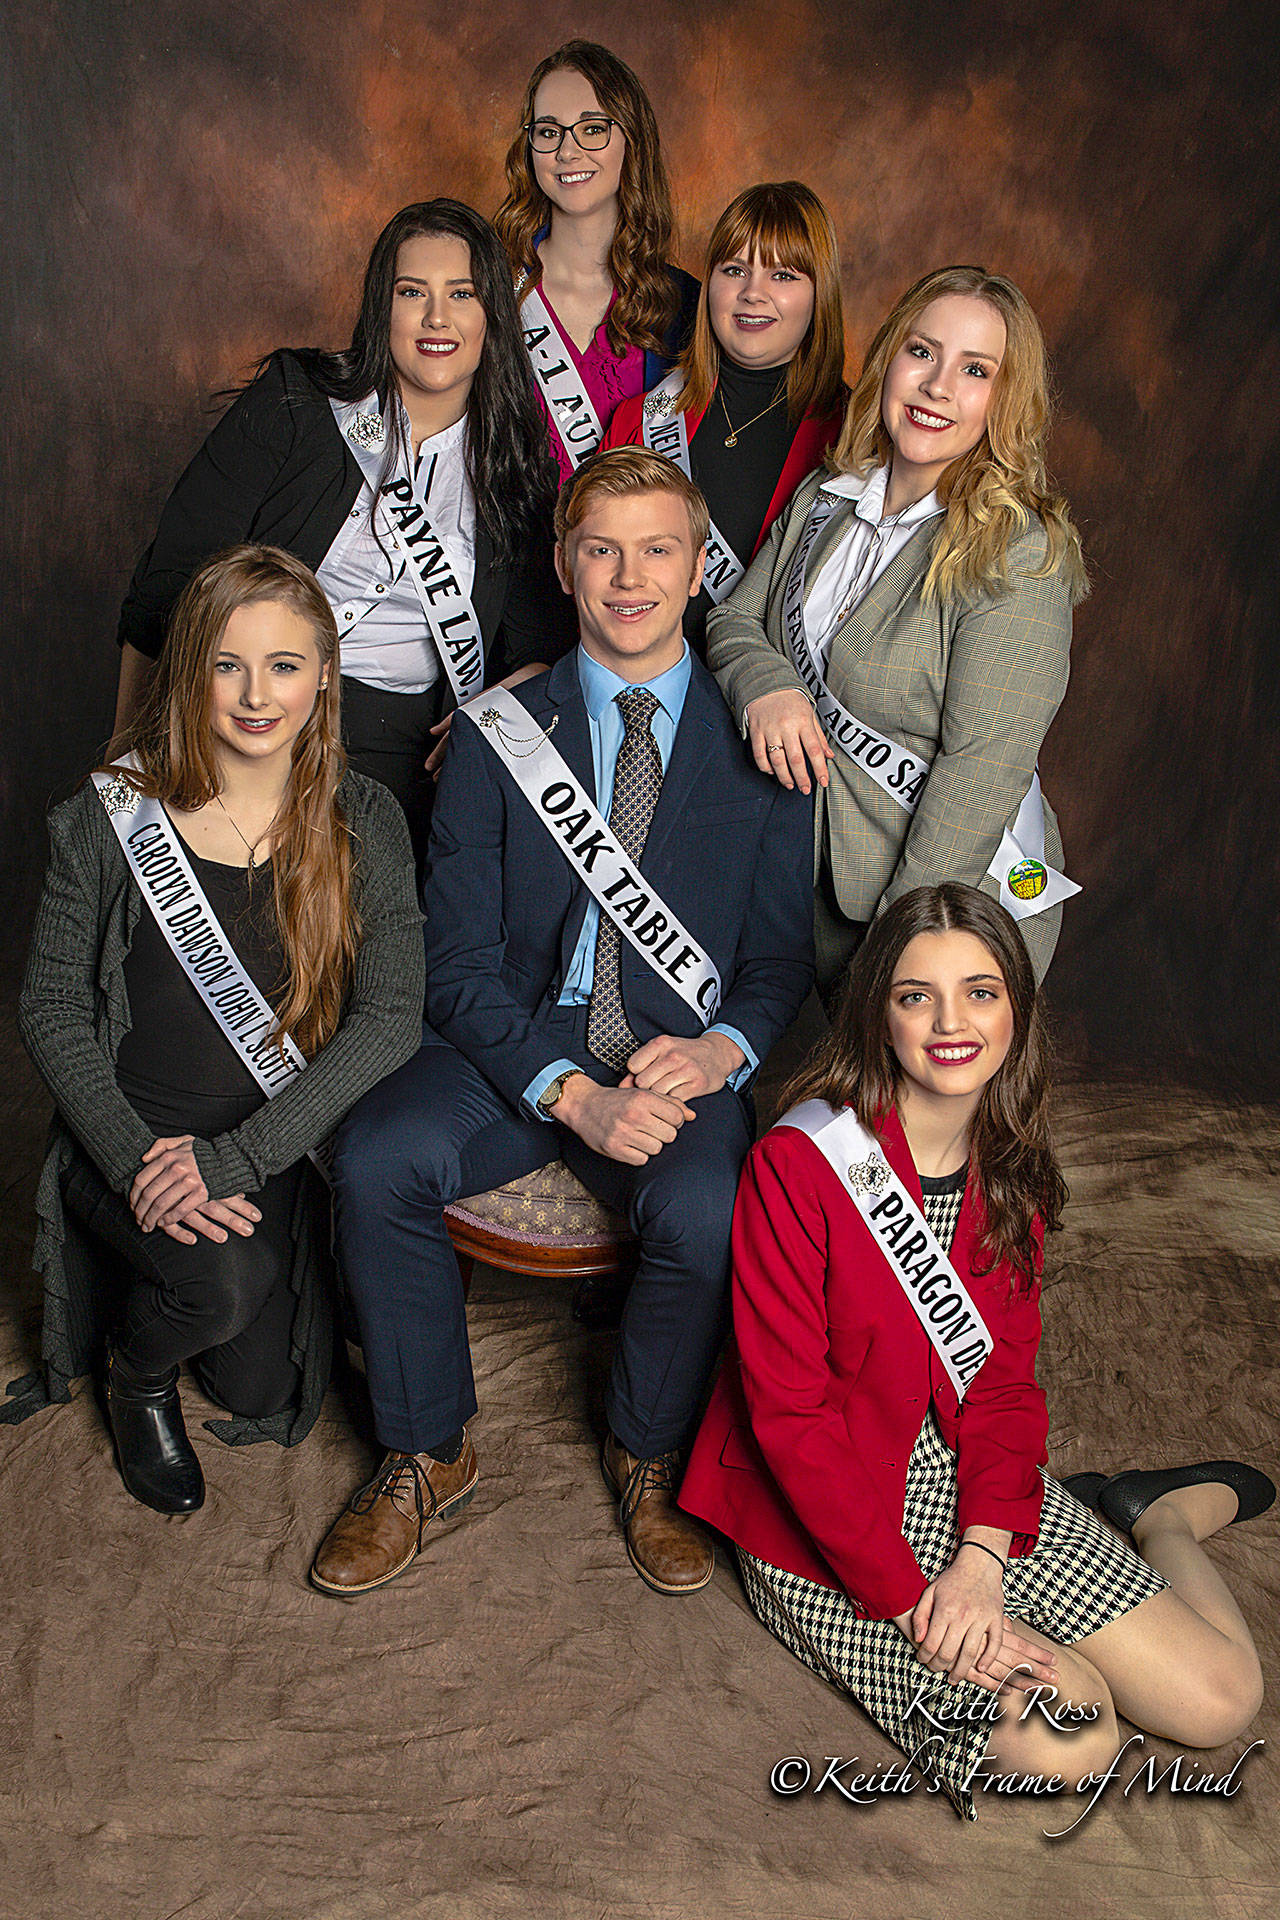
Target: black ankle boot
(157, 1461)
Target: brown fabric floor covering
(518, 1726)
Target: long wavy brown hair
(173, 743)
(784, 224)
(996, 489)
(647, 299)
(1011, 1158)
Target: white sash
(574, 420)
(667, 433)
(938, 1296)
(158, 861)
(446, 607)
(1028, 885)
(587, 842)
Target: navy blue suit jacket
(729, 850)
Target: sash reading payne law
(450, 617)
(937, 1295)
(667, 433)
(588, 844)
(1028, 884)
(573, 418)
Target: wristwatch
(552, 1091)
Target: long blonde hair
(647, 300)
(173, 742)
(992, 493)
(784, 224)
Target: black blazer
(729, 849)
(275, 469)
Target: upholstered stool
(547, 1222)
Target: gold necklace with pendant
(734, 432)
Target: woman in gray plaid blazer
(918, 593)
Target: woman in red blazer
(889, 1530)
(758, 395)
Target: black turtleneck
(739, 482)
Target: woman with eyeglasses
(587, 224)
(758, 395)
(410, 472)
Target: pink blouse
(609, 378)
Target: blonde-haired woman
(902, 639)
(228, 953)
(587, 225)
(758, 395)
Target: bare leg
(1182, 1664)
(1069, 1730)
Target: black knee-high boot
(157, 1461)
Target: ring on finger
(776, 748)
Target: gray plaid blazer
(970, 687)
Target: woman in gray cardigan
(902, 638)
(228, 953)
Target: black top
(738, 482)
(175, 1066)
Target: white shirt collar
(867, 491)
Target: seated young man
(619, 1037)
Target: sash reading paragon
(588, 844)
(1028, 885)
(450, 617)
(574, 420)
(667, 433)
(937, 1295)
(158, 861)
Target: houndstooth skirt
(1079, 1577)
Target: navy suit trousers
(435, 1131)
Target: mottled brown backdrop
(195, 183)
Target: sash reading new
(450, 617)
(937, 1295)
(586, 841)
(159, 864)
(1028, 885)
(573, 418)
(667, 433)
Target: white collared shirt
(380, 623)
(869, 544)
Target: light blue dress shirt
(600, 689)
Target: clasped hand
(169, 1193)
(644, 1112)
(959, 1628)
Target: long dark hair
(1011, 1157)
(511, 470)
(647, 299)
(173, 742)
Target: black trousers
(388, 737)
(227, 1307)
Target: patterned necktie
(637, 781)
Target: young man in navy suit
(620, 1037)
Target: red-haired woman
(758, 395)
(875, 1442)
(587, 225)
(228, 953)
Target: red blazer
(802, 1455)
(811, 439)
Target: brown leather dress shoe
(379, 1532)
(667, 1548)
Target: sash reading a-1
(666, 432)
(1027, 883)
(588, 844)
(574, 419)
(158, 862)
(937, 1295)
(450, 617)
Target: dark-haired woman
(902, 638)
(874, 1445)
(228, 953)
(758, 395)
(587, 225)
(410, 473)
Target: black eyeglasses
(593, 131)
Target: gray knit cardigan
(74, 1012)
